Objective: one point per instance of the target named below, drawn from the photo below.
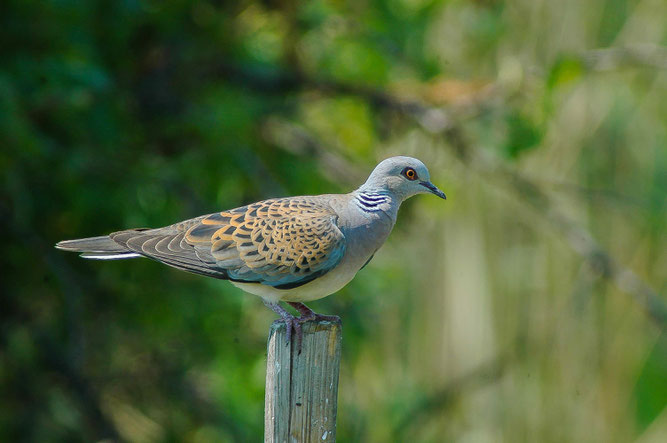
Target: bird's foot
(307, 314)
(292, 324)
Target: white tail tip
(94, 256)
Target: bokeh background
(530, 306)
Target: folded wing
(283, 243)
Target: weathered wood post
(302, 389)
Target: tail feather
(109, 256)
(98, 248)
(91, 244)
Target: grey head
(401, 177)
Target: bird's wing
(168, 245)
(281, 242)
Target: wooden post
(302, 389)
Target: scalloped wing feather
(280, 242)
(283, 243)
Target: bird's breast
(362, 240)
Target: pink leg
(308, 314)
(291, 322)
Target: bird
(291, 249)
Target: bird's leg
(291, 322)
(294, 323)
(308, 314)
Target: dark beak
(433, 189)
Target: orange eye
(409, 173)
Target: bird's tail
(97, 248)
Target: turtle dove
(293, 249)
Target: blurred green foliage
(476, 322)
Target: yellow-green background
(527, 307)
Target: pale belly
(320, 287)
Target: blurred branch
(608, 59)
(448, 125)
(579, 239)
(490, 372)
(274, 81)
(298, 141)
(281, 81)
(598, 194)
(441, 399)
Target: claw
(288, 327)
(299, 334)
(293, 330)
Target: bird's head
(402, 177)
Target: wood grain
(302, 389)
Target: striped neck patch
(371, 201)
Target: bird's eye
(409, 173)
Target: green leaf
(523, 134)
(651, 390)
(564, 71)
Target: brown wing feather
(281, 242)
(272, 241)
(167, 245)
